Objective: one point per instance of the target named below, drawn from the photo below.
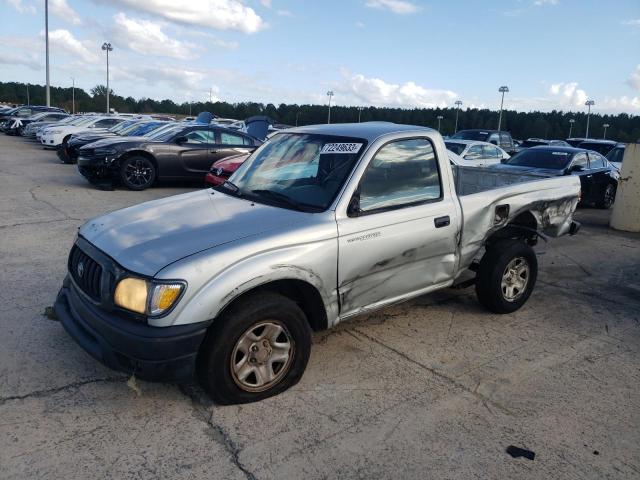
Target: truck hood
(146, 238)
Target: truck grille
(86, 272)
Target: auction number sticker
(341, 148)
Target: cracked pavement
(433, 388)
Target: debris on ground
(133, 385)
(517, 452)
(50, 313)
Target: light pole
(360, 113)
(329, 94)
(73, 95)
(458, 104)
(439, 117)
(588, 103)
(571, 122)
(604, 136)
(297, 115)
(504, 89)
(28, 101)
(46, 40)
(107, 48)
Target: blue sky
(553, 54)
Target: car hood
(147, 237)
(84, 137)
(116, 140)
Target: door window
(494, 138)
(199, 136)
(232, 139)
(505, 141)
(474, 153)
(580, 159)
(401, 173)
(596, 160)
(490, 152)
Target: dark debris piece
(517, 452)
(50, 313)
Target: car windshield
(83, 121)
(548, 159)
(121, 127)
(455, 147)
(616, 155)
(146, 128)
(477, 135)
(298, 171)
(162, 134)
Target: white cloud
(12, 59)
(265, 3)
(540, 3)
(568, 94)
(218, 14)
(374, 91)
(285, 13)
(22, 8)
(147, 38)
(634, 79)
(65, 41)
(359, 24)
(632, 23)
(400, 7)
(61, 9)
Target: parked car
(615, 156)
(574, 142)
(603, 147)
(501, 139)
(476, 154)
(72, 120)
(55, 135)
(16, 125)
(183, 152)
(25, 111)
(68, 151)
(29, 131)
(321, 224)
(598, 179)
(537, 142)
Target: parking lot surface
(434, 388)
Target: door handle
(589, 176)
(442, 221)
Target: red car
(223, 169)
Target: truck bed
(469, 180)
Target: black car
(598, 179)
(16, 125)
(184, 152)
(26, 111)
(500, 138)
(575, 141)
(603, 147)
(68, 151)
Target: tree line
(552, 125)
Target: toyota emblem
(80, 269)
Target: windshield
(477, 135)
(122, 126)
(616, 155)
(456, 148)
(82, 121)
(146, 128)
(547, 159)
(299, 171)
(165, 133)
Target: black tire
(493, 270)
(215, 367)
(137, 172)
(608, 197)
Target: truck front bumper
(151, 353)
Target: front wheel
(137, 173)
(608, 197)
(257, 349)
(506, 276)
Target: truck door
(400, 234)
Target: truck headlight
(147, 297)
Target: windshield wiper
(229, 187)
(281, 197)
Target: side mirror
(504, 160)
(180, 140)
(495, 142)
(576, 168)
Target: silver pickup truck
(320, 224)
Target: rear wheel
(608, 197)
(506, 276)
(137, 173)
(257, 349)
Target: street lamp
(439, 117)
(588, 103)
(604, 136)
(571, 122)
(458, 104)
(46, 41)
(504, 89)
(329, 94)
(360, 113)
(107, 48)
(73, 95)
(297, 115)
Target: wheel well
(524, 226)
(140, 153)
(304, 294)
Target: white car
(476, 154)
(55, 135)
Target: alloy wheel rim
(515, 279)
(138, 172)
(262, 356)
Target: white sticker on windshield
(559, 153)
(341, 148)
